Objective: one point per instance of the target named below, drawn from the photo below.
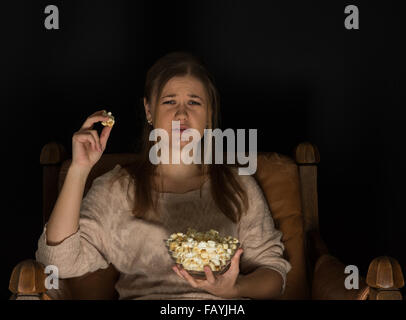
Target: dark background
(289, 69)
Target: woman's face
(182, 99)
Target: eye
(170, 102)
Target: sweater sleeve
(258, 236)
(86, 250)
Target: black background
(289, 69)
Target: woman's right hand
(87, 147)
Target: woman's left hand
(224, 285)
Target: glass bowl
(201, 274)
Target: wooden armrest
(28, 278)
(385, 278)
(27, 282)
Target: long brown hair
(224, 186)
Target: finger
(209, 275)
(189, 278)
(88, 124)
(96, 138)
(92, 140)
(104, 136)
(99, 112)
(235, 261)
(175, 268)
(85, 137)
(237, 255)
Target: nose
(181, 112)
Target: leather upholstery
(328, 281)
(277, 176)
(279, 179)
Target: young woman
(129, 211)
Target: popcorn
(194, 250)
(110, 121)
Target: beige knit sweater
(108, 233)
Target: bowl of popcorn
(193, 250)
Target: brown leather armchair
(290, 187)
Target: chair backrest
(278, 177)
